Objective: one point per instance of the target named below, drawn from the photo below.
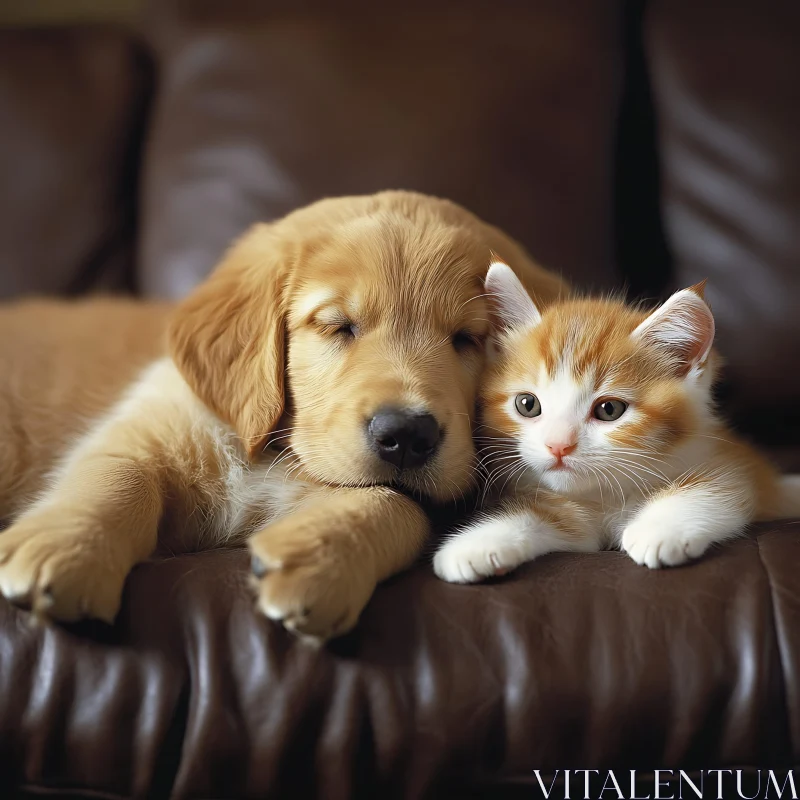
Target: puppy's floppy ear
(227, 337)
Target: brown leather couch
(626, 144)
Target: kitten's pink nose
(561, 449)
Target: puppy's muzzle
(404, 438)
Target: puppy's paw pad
(58, 572)
(312, 591)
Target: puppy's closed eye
(344, 330)
(467, 341)
(333, 322)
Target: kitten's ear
(682, 329)
(511, 305)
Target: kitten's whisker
(641, 454)
(613, 477)
(641, 487)
(497, 448)
(494, 477)
(522, 465)
(602, 475)
(657, 474)
(718, 438)
(538, 486)
(519, 477)
(500, 459)
(492, 428)
(599, 483)
(491, 477)
(519, 471)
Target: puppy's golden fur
(251, 422)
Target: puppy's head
(361, 324)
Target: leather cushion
(581, 661)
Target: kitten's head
(593, 387)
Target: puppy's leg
(67, 556)
(317, 567)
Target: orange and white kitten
(600, 420)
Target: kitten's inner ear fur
(511, 305)
(682, 329)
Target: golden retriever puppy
(322, 378)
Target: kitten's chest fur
(620, 494)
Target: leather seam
(780, 644)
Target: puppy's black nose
(404, 438)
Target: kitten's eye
(464, 340)
(609, 410)
(528, 405)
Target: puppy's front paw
(654, 542)
(309, 579)
(483, 550)
(54, 565)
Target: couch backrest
(551, 120)
(72, 109)
(509, 109)
(727, 95)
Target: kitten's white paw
(489, 548)
(655, 542)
